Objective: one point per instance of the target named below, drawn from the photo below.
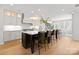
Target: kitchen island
(28, 39)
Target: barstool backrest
(53, 32)
(48, 33)
(41, 35)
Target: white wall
(76, 24)
(1, 27)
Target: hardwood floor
(64, 46)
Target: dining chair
(46, 38)
(40, 40)
(57, 34)
(50, 37)
(53, 35)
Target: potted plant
(45, 21)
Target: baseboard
(1, 43)
(13, 40)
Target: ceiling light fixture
(11, 4)
(39, 10)
(72, 12)
(32, 12)
(62, 9)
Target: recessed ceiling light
(11, 4)
(72, 12)
(38, 9)
(32, 11)
(62, 9)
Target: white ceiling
(50, 10)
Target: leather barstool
(41, 41)
(53, 35)
(57, 34)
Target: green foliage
(44, 20)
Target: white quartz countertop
(12, 28)
(31, 32)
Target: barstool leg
(38, 48)
(51, 40)
(45, 44)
